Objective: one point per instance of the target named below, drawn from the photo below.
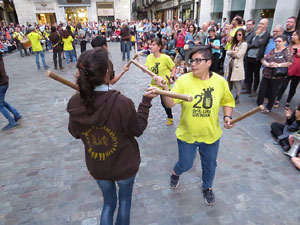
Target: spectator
(256, 49)
(280, 57)
(282, 131)
(235, 70)
(290, 28)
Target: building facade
(51, 11)
(277, 11)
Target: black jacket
(259, 42)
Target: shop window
(77, 14)
(46, 18)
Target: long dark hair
(93, 66)
(235, 41)
(65, 34)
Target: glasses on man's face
(196, 60)
(278, 41)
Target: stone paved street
(44, 180)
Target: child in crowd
(181, 69)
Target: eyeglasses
(196, 60)
(278, 41)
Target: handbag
(279, 72)
(186, 47)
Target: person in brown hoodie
(107, 123)
(56, 40)
(5, 108)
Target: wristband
(227, 116)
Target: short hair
(293, 17)
(99, 41)
(205, 51)
(283, 37)
(251, 21)
(239, 20)
(211, 30)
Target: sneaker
(169, 122)
(10, 126)
(46, 67)
(252, 94)
(61, 68)
(55, 68)
(208, 196)
(174, 181)
(17, 118)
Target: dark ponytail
(159, 43)
(93, 66)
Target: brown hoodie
(111, 151)
(3, 76)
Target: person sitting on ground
(283, 131)
(295, 160)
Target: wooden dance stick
(255, 110)
(134, 57)
(187, 98)
(153, 75)
(60, 79)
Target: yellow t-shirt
(68, 43)
(18, 36)
(161, 66)
(229, 43)
(35, 40)
(132, 38)
(199, 121)
(72, 29)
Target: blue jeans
(5, 108)
(109, 193)
(37, 60)
(125, 46)
(69, 55)
(208, 155)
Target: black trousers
(294, 83)
(252, 73)
(215, 63)
(271, 86)
(83, 46)
(277, 129)
(282, 88)
(55, 56)
(168, 110)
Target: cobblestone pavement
(44, 180)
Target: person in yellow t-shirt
(18, 36)
(163, 66)
(68, 47)
(199, 122)
(37, 49)
(103, 29)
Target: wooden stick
(60, 79)
(245, 115)
(134, 57)
(184, 97)
(143, 68)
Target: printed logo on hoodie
(102, 142)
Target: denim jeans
(69, 55)
(37, 61)
(5, 107)
(208, 155)
(125, 46)
(109, 193)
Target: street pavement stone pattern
(44, 180)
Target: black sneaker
(17, 118)
(174, 181)
(208, 196)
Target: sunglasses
(197, 60)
